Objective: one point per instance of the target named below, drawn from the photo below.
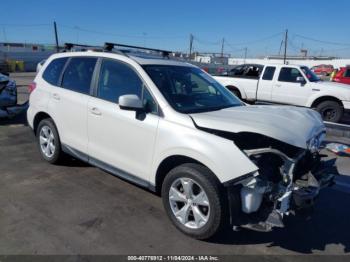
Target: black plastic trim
(108, 168)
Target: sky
(258, 25)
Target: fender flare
(322, 97)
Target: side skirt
(108, 168)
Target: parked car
(324, 70)
(8, 94)
(290, 85)
(170, 127)
(343, 76)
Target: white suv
(170, 127)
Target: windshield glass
(310, 75)
(189, 89)
(3, 78)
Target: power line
(258, 40)
(81, 29)
(322, 41)
(204, 42)
(25, 25)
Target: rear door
(346, 76)
(68, 105)
(121, 139)
(287, 90)
(266, 84)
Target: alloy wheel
(189, 203)
(47, 141)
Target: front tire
(330, 111)
(48, 141)
(194, 201)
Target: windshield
(3, 78)
(310, 75)
(189, 89)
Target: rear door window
(53, 71)
(78, 74)
(269, 72)
(288, 74)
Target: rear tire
(48, 141)
(235, 92)
(330, 111)
(200, 214)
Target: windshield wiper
(209, 109)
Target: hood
(333, 85)
(292, 125)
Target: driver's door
(288, 90)
(116, 137)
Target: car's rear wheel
(330, 111)
(193, 200)
(49, 141)
(235, 91)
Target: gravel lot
(75, 208)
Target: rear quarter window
(53, 71)
(269, 72)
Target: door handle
(56, 96)
(95, 111)
(278, 85)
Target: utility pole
(222, 50)
(285, 47)
(191, 45)
(56, 36)
(222, 47)
(245, 54)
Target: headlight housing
(315, 143)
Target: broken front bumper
(277, 199)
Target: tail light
(31, 87)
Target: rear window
(53, 71)
(246, 71)
(78, 74)
(269, 72)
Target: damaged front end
(283, 184)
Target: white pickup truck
(288, 84)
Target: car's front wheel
(194, 201)
(49, 141)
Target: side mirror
(130, 102)
(301, 80)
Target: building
(24, 54)
(212, 58)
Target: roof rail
(109, 47)
(69, 46)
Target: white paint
(292, 93)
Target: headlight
(315, 143)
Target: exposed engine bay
(288, 180)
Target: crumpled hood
(292, 125)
